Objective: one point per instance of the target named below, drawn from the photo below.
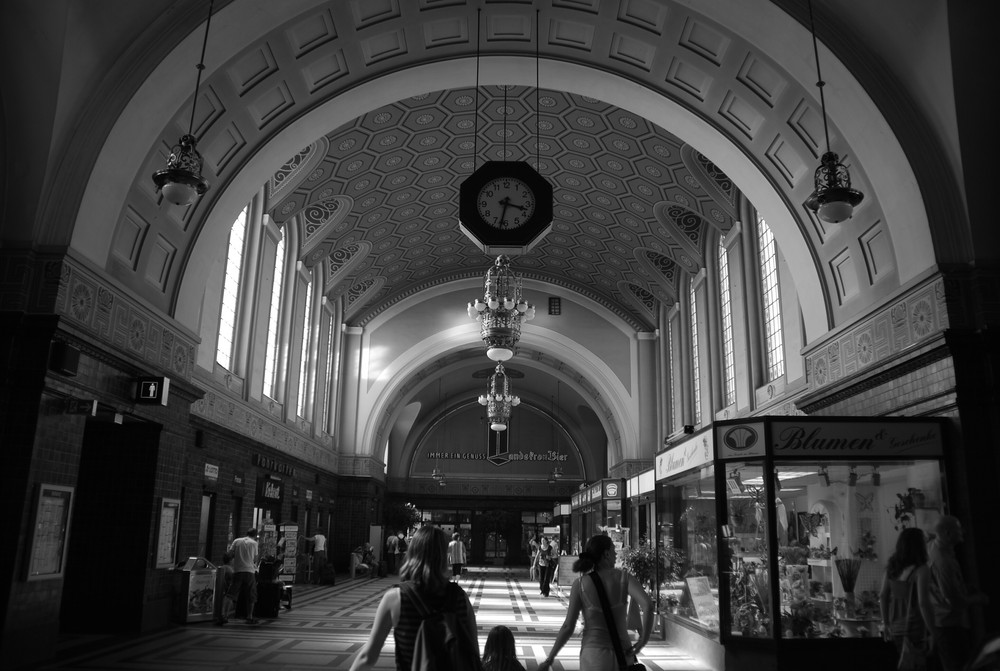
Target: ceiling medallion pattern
(611, 173)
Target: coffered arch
(748, 108)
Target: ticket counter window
(686, 523)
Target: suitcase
(268, 599)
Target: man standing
(950, 599)
(319, 556)
(400, 550)
(456, 555)
(390, 553)
(244, 552)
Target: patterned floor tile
(327, 625)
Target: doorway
(110, 545)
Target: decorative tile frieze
(908, 321)
(233, 414)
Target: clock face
(505, 202)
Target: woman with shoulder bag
(907, 615)
(602, 593)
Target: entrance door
(109, 549)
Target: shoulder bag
(913, 657)
(612, 629)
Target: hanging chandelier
(501, 310)
(180, 181)
(498, 400)
(833, 200)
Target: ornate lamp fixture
(833, 200)
(180, 181)
(498, 400)
(501, 311)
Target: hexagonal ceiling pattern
(634, 207)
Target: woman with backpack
(425, 586)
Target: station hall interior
(704, 344)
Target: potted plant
(646, 564)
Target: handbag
(612, 629)
(913, 657)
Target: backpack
(401, 545)
(442, 642)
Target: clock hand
(500, 220)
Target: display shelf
(820, 562)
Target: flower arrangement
(793, 555)
(803, 618)
(822, 552)
(866, 547)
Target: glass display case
(812, 508)
(780, 529)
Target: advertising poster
(201, 594)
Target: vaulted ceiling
(633, 205)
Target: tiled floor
(327, 625)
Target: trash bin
(195, 580)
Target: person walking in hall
(390, 553)
(400, 549)
(319, 556)
(245, 558)
(547, 557)
(905, 596)
(597, 647)
(950, 598)
(422, 575)
(456, 555)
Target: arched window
(231, 292)
(273, 325)
(303, 401)
(770, 301)
(728, 351)
(695, 364)
(328, 378)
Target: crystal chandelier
(501, 311)
(498, 400)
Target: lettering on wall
(270, 464)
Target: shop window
(746, 538)
(686, 521)
(837, 525)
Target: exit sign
(152, 390)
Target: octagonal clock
(505, 207)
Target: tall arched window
(328, 379)
(726, 307)
(231, 291)
(304, 359)
(273, 335)
(695, 365)
(770, 301)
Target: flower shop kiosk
(784, 525)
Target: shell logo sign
(740, 438)
(611, 490)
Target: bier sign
(152, 390)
